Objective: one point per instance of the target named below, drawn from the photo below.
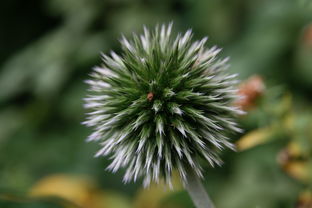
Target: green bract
(165, 103)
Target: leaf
(78, 190)
(254, 138)
(299, 170)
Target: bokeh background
(47, 50)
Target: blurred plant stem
(197, 191)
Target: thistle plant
(164, 104)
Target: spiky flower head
(165, 103)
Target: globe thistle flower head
(164, 104)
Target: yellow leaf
(298, 170)
(253, 138)
(78, 190)
(71, 188)
(294, 149)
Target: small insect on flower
(165, 103)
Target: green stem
(197, 191)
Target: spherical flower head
(164, 104)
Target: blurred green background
(47, 49)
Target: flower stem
(197, 191)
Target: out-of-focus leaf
(298, 170)
(255, 137)
(78, 190)
(71, 188)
